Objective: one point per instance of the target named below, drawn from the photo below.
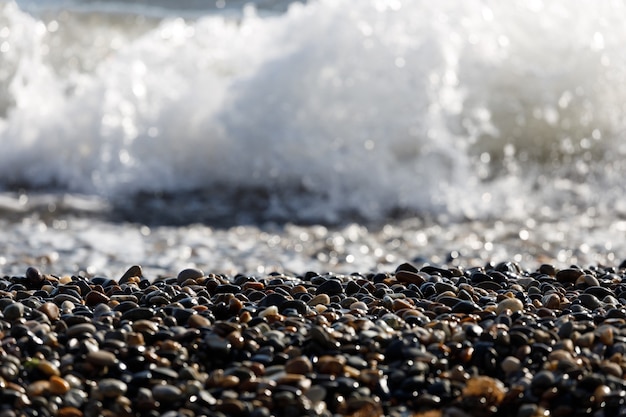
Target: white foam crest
(362, 106)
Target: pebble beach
(421, 340)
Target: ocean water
(350, 135)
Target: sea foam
(330, 109)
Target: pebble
(322, 299)
(512, 304)
(166, 393)
(101, 358)
(111, 388)
(330, 287)
(13, 311)
(51, 310)
(58, 385)
(189, 274)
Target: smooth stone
(512, 304)
(166, 392)
(48, 368)
(94, 298)
(598, 291)
(37, 388)
(51, 310)
(510, 364)
(189, 273)
(34, 276)
(466, 307)
(58, 385)
(81, 329)
(13, 311)
(551, 301)
(322, 299)
(410, 277)
(590, 301)
(588, 280)
(543, 379)
(69, 411)
(330, 287)
(145, 326)
(273, 299)
(227, 289)
(111, 388)
(164, 373)
(133, 271)
(300, 365)
(321, 336)
(569, 275)
(101, 358)
(198, 321)
(298, 305)
(409, 267)
(547, 269)
(59, 299)
(138, 313)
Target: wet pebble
(111, 388)
(101, 358)
(510, 304)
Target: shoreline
(67, 243)
(421, 340)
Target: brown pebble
(295, 380)
(330, 365)
(38, 388)
(189, 274)
(236, 339)
(611, 368)
(491, 391)
(510, 364)
(135, 339)
(600, 393)
(81, 329)
(569, 275)
(400, 304)
(512, 304)
(198, 321)
(551, 301)
(145, 326)
(245, 316)
(585, 340)
(235, 305)
(48, 368)
(101, 358)
(230, 406)
(253, 285)
(359, 307)
(322, 299)
(51, 310)
(58, 385)
(410, 277)
(587, 280)
(69, 412)
(299, 365)
(94, 298)
(605, 334)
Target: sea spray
(332, 109)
